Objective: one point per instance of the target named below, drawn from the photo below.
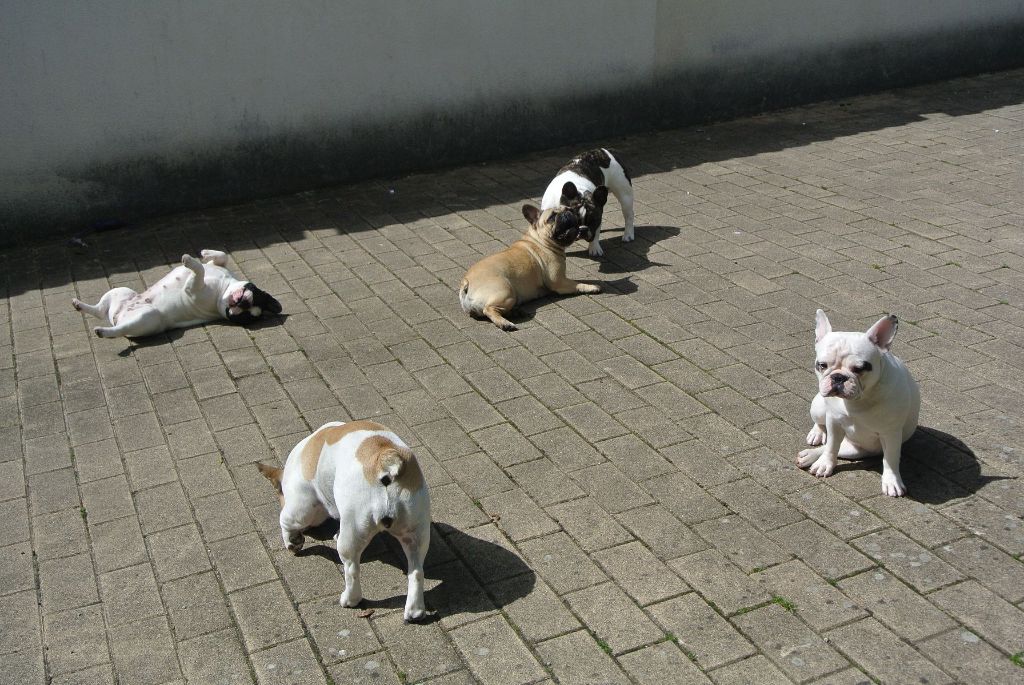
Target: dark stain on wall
(135, 188)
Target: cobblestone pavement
(615, 495)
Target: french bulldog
(867, 401)
(195, 292)
(526, 270)
(592, 174)
(363, 475)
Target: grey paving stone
(905, 612)
(419, 654)
(642, 575)
(755, 669)
(576, 659)
(561, 563)
(993, 568)
(662, 664)
(536, 611)
(790, 644)
(741, 543)
(495, 653)
(720, 581)
(214, 658)
(265, 616)
(967, 657)
(518, 516)
(117, 544)
(908, 560)
(55, 535)
(16, 568)
(241, 561)
(613, 617)
(662, 532)
(292, 663)
(143, 652)
(821, 550)
(700, 631)
(838, 513)
(195, 605)
(339, 634)
(590, 526)
(898, 662)
(75, 639)
(107, 499)
(130, 594)
(815, 600)
(987, 614)
(67, 583)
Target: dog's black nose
(387, 521)
(839, 379)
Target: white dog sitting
(362, 474)
(867, 401)
(195, 292)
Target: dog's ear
(569, 193)
(600, 196)
(884, 330)
(531, 213)
(822, 326)
(264, 300)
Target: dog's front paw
(628, 237)
(418, 615)
(892, 485)
(588, 288)
(816, 436)
(351, 599)
(295, 542)
(823, 467)
(595, 250)
(189, 260)
(102, 332)
(76, 303)
(807, 457)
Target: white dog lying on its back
(362, 474)
(195, 292)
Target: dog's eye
(821, 366)
(866, 366)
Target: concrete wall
(123, 108)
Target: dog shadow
(473, 575)
(173, 334)
(620, 257)
(936, 467)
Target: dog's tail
(273, 474)
(467, 305)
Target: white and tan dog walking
(366, 477)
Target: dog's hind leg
(496, 315)
(415, 546)
(101, 310)
(140, 324)
(350, 548)
(217, 257)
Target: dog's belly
(177, 307)
(864, 438)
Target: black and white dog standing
(586, 173)
(195, 292)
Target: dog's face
(589, 207)
(560, 225)
(848, 363)
(248, 303)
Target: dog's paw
(295, 542)
(823, 467)
(76, 303)
(595, 250)
(627, 237)
(189, 261)
(588, 288)
(102, 332)
(807, 457)
(350, 599)
(892, 485)
(816, 436)
(418, 615)
(508, 326)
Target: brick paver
(615, 498)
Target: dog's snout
(839, 378)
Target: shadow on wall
(460, 561)
(936, 467)
(351, 209)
